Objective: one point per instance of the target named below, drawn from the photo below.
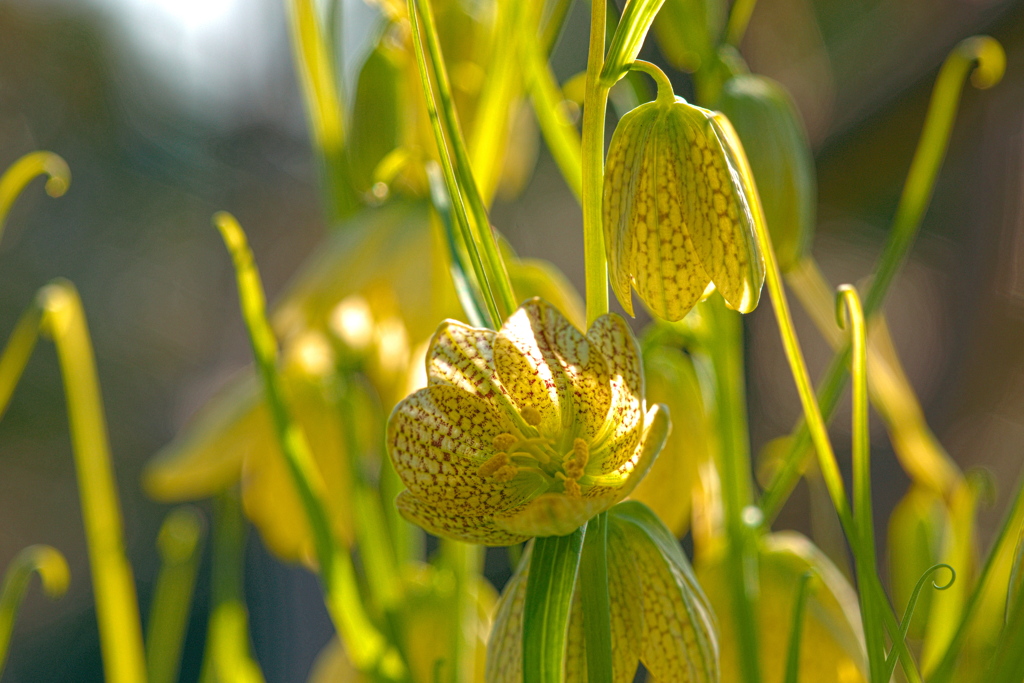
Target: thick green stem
(595, 102)
(597, 627)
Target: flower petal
(620, 483)
(677, 641)
(463, 356)
(611, 336)
(666, 265)
(438, 438)
(479, 529)
(546, 363)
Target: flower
(528, 431)
(679, 210)
(832, 646)
(659, 615)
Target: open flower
(528, 431)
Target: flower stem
(595, 102)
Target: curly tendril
(53, 573)
(21, 173)
(890, 661)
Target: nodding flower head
(527, 431)
(679, 210)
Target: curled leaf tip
(180, 534)
(51, 566)
(230, 230)
(989, 58)
(21, 173)
(846, 299)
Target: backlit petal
(621, 430)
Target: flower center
(538, 454)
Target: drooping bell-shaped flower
(832, 643)
(680, 207)
(659, 614)
(527, 431)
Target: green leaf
(629, 38)
(597, 627)
(554, 564)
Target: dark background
(168, 111)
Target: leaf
(629, 38)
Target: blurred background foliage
(169, 110)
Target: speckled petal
(670, 276)
(677, 635)
(462, 356)
(441, 522)
(621, 482)
(437, 439)
(621, 431)
(722, 216)
(546, 363)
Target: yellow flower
(679, 210)
(832, 647)
(528, 431)
(659, 615)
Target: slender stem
(665, 92)
(848, 308)
(53, 573)
(597, 627)
(22, 171)
(465, 562)
(726, 350)
(117, 610)
(931, 150)
(366, 646)
(484, 235)
(180, 552)
(595, 102)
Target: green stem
(53, 573)
(17, 352)
(597, 626)
(726, 350)
(180, 553)
(22, 171)
(920, 183)
(595, 102)
(665, 92)
(483, 234)
(848, 302)
(117, 610)
(366, 646)
(554, 565)
(465, 562)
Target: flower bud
(774, 138)
(679, 210)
